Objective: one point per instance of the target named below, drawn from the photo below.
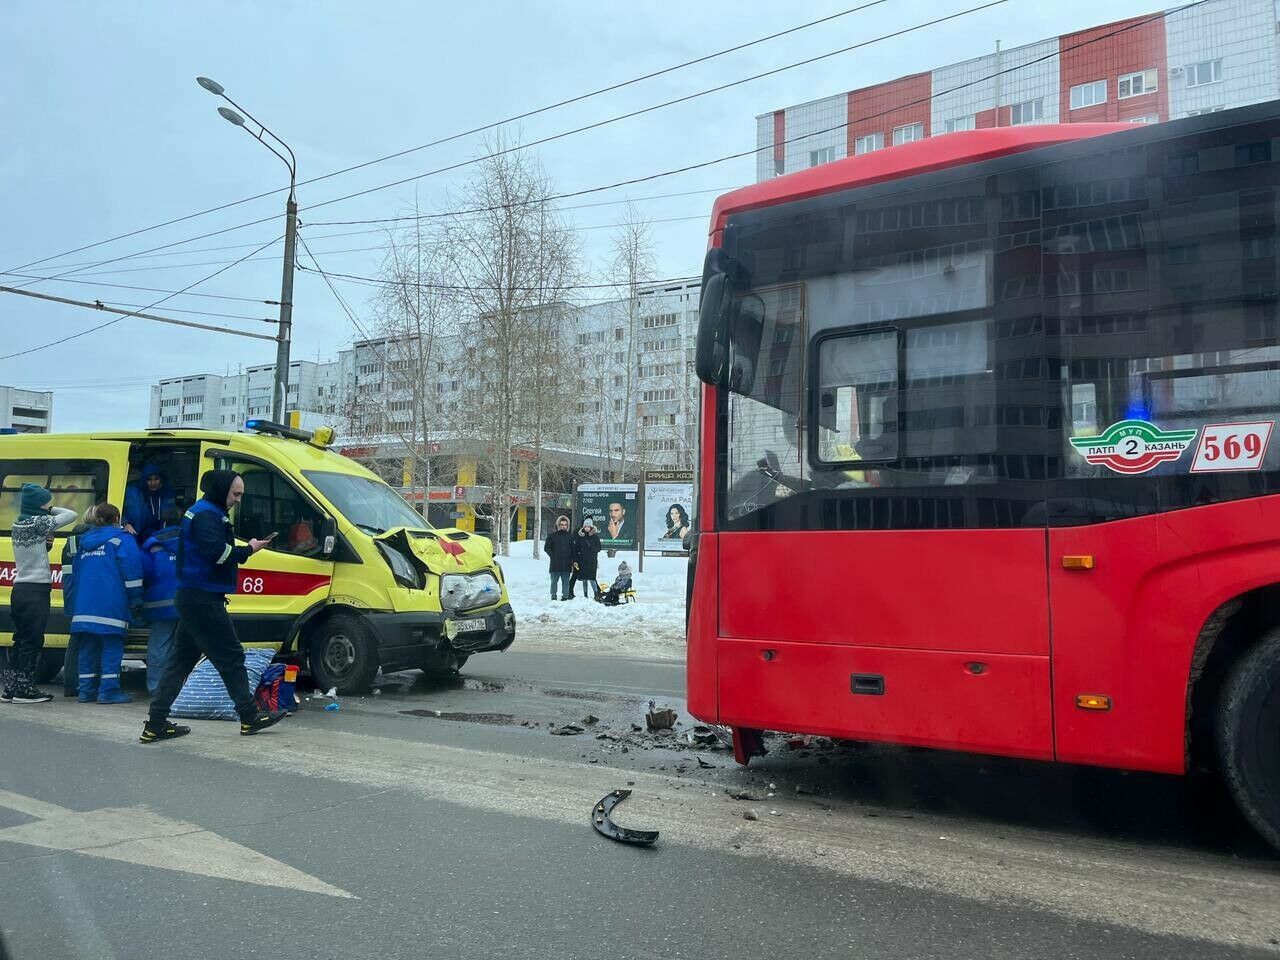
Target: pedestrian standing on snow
(108, 588)
(559, 550)
(207, 561)
(71, 661)
(144, 502)
(32, 584)
(586, 557)
(160, 573)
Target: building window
(821, 155)
(1136, 84)
(960, 123)
(1088, 94)
(908, 133)
(872, 141)
(779, 166)
(1206, 71)
(1029, 111)
(1203, 110)
(1149, 118)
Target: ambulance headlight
(405, 573)
(466, 591)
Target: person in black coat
(559, 550)
(586, 554)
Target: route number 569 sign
(1232, 446)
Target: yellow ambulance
(355, 580)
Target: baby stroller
(620, 591)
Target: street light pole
(284, 332)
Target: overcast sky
(105, 131)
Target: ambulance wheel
(1247, 746)
(50, 665)
(343, 654)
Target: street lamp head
(213, 86)
(231, 116)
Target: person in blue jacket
(71, 660)
(144, 502)
(160, 573)
(207, 561)
(108, 586)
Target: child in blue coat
(108, 587)
(160, 573)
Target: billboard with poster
(668, 510)
(615, 510)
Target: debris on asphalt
(797, 743)
(805, 789)
(568, 730)
(703, 735)
(590, 719)
(704, 765)
(750, 815)
(774, 813)
(659, 719)
(743, 795)
(333, 707)
(606, 827)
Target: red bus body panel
(983, 639)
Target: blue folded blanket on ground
(204, 696)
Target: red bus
(986, 450)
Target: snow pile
(652, 626)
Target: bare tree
(415, 311)
(512, 258)
(632, 266)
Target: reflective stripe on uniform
(130, 584)
(105, 621)
(152, 604)
(225, 553)
(111, 676)
(87, 676)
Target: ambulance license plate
(469, 626)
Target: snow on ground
(652, 626)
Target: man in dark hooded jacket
(207, 561)
(144, 502)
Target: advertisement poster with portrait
(668, 510)
(615, 510)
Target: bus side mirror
(729, 329)
(328, 536)
(711, 353)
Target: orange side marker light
(1093, 701)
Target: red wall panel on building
(779, 140)
(1100, 57)
(880, 108)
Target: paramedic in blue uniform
(207, 561)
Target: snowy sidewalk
(653, 626)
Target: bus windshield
(368, 504)
(1042, 338)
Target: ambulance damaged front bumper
(416, 638)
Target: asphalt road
(445, 819)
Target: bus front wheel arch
(1248, 753)
(342, 652)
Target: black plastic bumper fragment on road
(600, 820)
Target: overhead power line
(99, 305)
(128, 286)
(568, 133)
(382, 281)
(465, 133)
(135, 313)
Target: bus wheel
(1247, 746)
(343, 654)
